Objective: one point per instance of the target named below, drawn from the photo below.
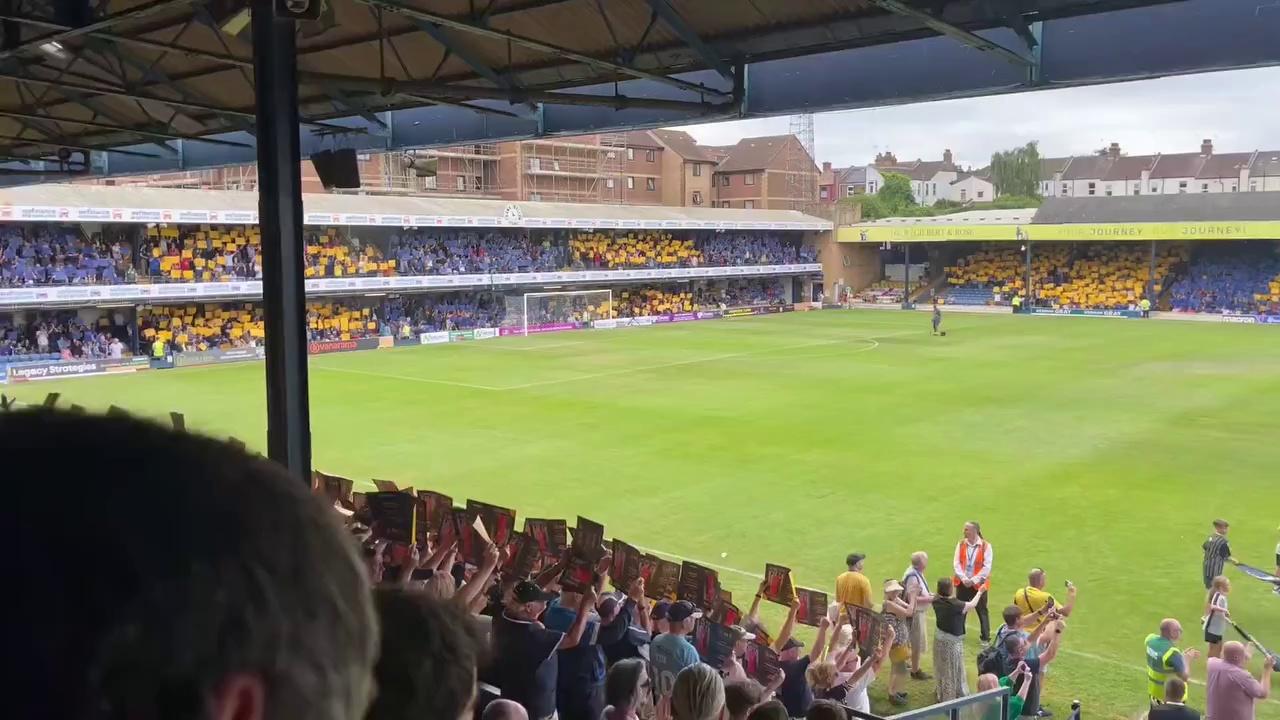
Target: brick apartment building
(643, 167)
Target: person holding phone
(1033, 599)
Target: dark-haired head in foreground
(162, 575)
(427, 665)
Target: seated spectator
(741, 697)
(770, 710)
(427, 659)
(826, 710)
(627, 691)
(1173, 707)
(225, 590)
(697, 694)
(1018, 679)
(502, 709)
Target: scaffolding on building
(587, 169)
(471, 170)
(801, 181)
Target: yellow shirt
(853, 588)
(1030, 600)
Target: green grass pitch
(1097, 449)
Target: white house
(971, 188)
(1113, 173)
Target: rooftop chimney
(1114, 150)
(886, 158)
(1206, 147)
(826, 167)
(946, 156)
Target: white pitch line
(695, 361)
(757, 576)
(406, 378)
(531, 348)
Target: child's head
(1221, 584)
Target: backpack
(992, 659)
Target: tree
(1017, 171)
(895, 194)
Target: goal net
(557, 310)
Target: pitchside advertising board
(75, 368)
(1243, 319)
(216, 356)
(324, 347)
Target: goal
(544, 310)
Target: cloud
(1148, 116)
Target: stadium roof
(972, 217)
(1184, 207)
(95, 203)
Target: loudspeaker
(337, 168)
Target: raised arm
(819, 643)
(474, 587)
(787, 627)
(1065, 610)
(574, 636)
(754, 612)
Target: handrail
(951, 708)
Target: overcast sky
(1165, 115)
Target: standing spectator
(794, 692)
(1033, 598)
(948, 641)
(1216, 615)
(625, 690)
(671, 651)
(581, 673)
(1217, 552)
(1164, 659)
(852, 587)
(224, 590)
(427, 661)
(916, 590)
(524, 652)
(1231, 692)
(697, 694)
(898, 613)
(1173, 708)
(973, 573)
(826, 710)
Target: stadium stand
(40, 255)
(432, 313)
(61, 334)
(882, 292)
(643, 249)
(1228, 280)
(200, 327)
(452, 252)
(1069, 275)
(60, 255)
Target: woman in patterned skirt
(948, 645)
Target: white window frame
(697, 169)
(749, 179)
(631, 182)
(651, 184)
(749, 204)
(650, 155)
(631, 153)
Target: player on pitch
(937, 317)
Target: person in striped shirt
(1217, 552)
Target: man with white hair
(916, 592)
(1231, 692)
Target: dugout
(1171, 232)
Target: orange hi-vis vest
(978, 560)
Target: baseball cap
(527, 592)
(660, 608)
(740, 633)
(792, 643)
(681, 610)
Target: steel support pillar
(275, 74)
(906, 276)
(1151, 275)
(1026, 290)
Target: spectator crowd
(255, 598)
(63, 254)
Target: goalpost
(569, 307)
